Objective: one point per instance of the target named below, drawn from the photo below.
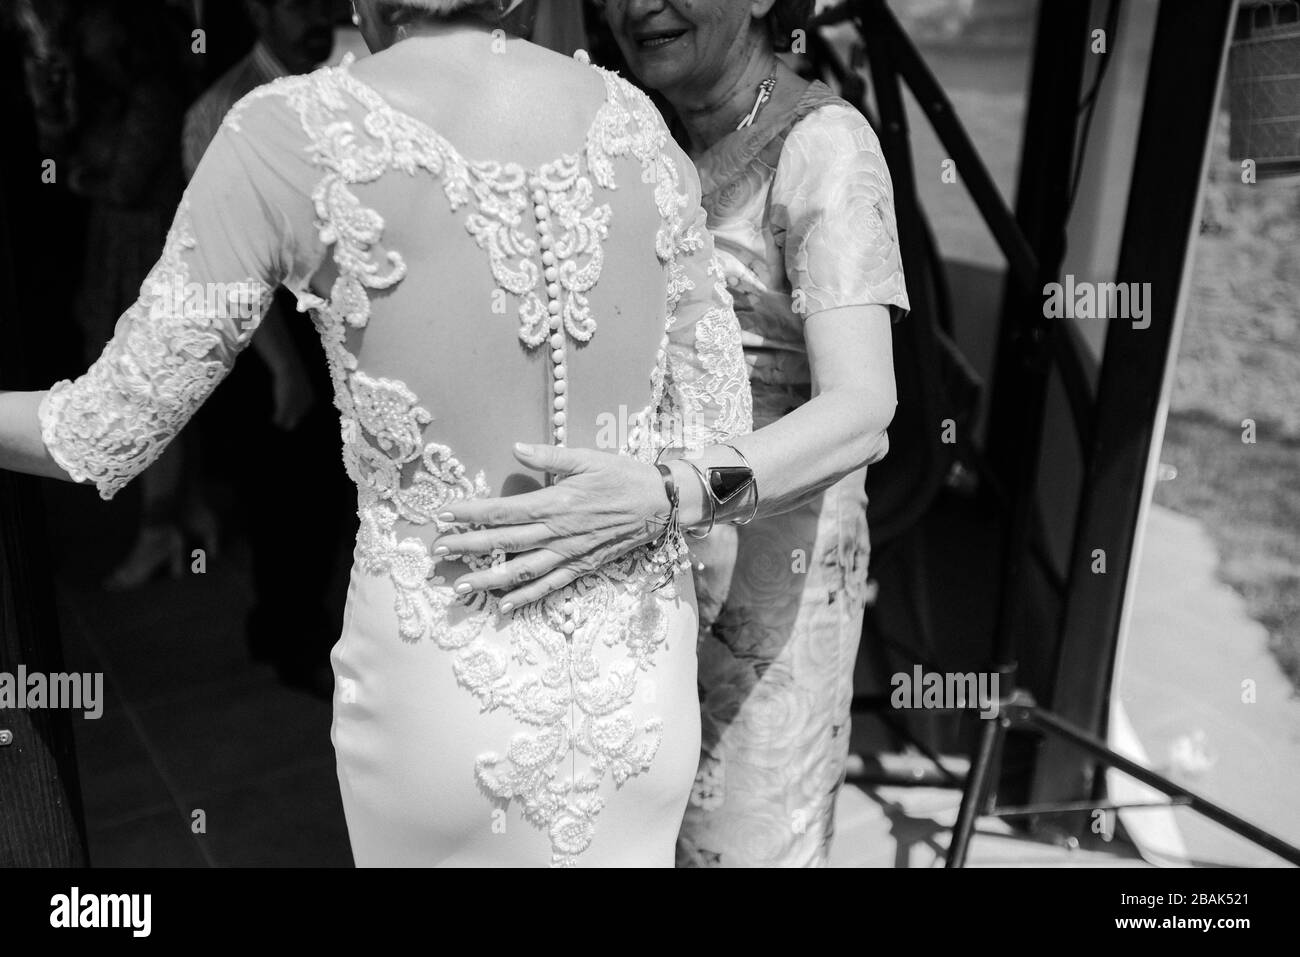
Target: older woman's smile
(657, 39)
(649, 39)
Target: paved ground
(191, 725)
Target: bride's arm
(198, 309)
(21, 448)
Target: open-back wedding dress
(463, 304)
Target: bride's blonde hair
(443, 8)
(398, 13)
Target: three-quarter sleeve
(228, 246)
(833, 214)
(706, 387)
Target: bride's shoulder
(638, 108)
(574, 78)
(269, 100)
(289, 97)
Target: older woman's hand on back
(603, 506)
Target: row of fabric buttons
(551, 272)
(559, 350)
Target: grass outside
(1239, 356)
(1239, 360)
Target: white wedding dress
(463, 305)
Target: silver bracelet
(753, 480)
(670, 554)
(708, 497)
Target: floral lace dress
(802, 215)
(462, 305)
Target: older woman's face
(680, 45)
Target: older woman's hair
(786, 17)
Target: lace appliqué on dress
(689, 407)
(547, 674)
(180, 341)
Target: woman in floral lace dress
(481, 267)
(800, 205)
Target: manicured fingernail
(463, 588)
(446, 517)
(507, 607)
(440, 551)
(523, 449)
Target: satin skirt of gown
(408, 736)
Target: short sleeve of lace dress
(833, 200)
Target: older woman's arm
(842, 428)
(606, 504)
(833, 214)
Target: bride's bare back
(474, 335)
(497, 97)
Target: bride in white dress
(490, 238)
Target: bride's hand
(603, 506)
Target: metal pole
(1066, 732)
(1183, 81)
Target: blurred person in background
(560, 25)
(128, 91)
(276, 400)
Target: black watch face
(729, 480)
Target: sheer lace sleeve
(833, 210)
(706, 386)
(228, 246)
